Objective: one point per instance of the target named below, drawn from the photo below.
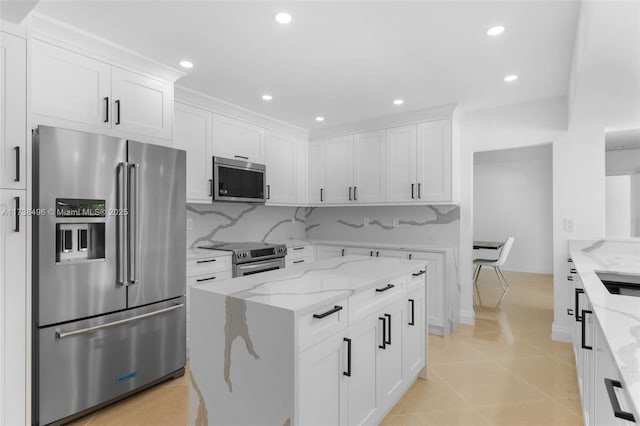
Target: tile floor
(504, 370)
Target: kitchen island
(331, 343)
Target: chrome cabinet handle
(123, 196)
(61, 334)
(134, 273)
(613, 399)
(17, 150)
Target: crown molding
(385, 122)
(221, 107)
(54, 31)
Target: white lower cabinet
(389, 362)
(362, 345)
(327, 252)
(13, 304)
(413, 335)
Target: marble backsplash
(243, 222)
(437, 226)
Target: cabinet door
(316, 173)
(435, 288)
(280, 158)
(369, 160)
(361, 382)
(141, 104)
(338, 169)
(413, 338)
(13, 111)
(401, 164)
(69, 86)
(193, 134)
(329, 252)
(389, 358)
(13, 304)
(237, 140)
(302, 172)
(322, 387)
(361, 251)
(434, 161)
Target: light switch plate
(568, 225)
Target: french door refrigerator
(109, 270)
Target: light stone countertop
(618, 315)
(198, 253)
(304, 288)
(291, 242)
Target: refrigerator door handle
(122, 222)
(134, 255)
(61, 334)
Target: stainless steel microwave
(239, 181)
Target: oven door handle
(261, 264)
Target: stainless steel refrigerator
(109, 246)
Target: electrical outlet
(366, 221)
(189, 224)
(396, 222)
(568, 225)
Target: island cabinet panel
(413, 336)
(322, 322)
(389, 363)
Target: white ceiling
(346, 61)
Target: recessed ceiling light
(319, 118)
(494, 31)
(283, 18)
(186, 64)
(510, 78)
(267, 97)
(398, 102)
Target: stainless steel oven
(250, 258)
(251, 268)
(239, 181)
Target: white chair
(496, 264)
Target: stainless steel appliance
(253, 258)
(108, 270)
(237, 180)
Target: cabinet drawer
(297, 261)
(370, 300)
(416, 278)
(297, 252)
(208, 265)
(322, 323)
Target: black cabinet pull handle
(419, 191)
(570, 260)
(335, 309)
(613, 399)
(584, 329)
(569, 277)
(417, 274)
(413, 312)
(355, 193)
(321, 198)
(569, 312)
(17, 150)
(348, 372)
(242, 157)
(298, 261)
(384, 333)
(17, 225)
(210, 187)
(385, 288)
(410, 256)
(371, 253)
(298, 248)
(377, 254)
(268, 192)
(117, 111)
(205, 279)
(412, 196)
(342, 252)
(388, 342)
(573, 270)
(106, 109)
(350, 194)
(206, 261)
(577, 307)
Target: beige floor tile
(446, 351)
(457, 417)
(537, 413)
(428, 395)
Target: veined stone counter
(618, 316)
(275, 348)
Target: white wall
(635, 205)
(618, 206)
(622, 161)
(513, 196)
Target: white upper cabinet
(434, 160)
(69, 86)
(141, 104)
(13, 110)
(76, 91)
(302, 172)
(316, 172)
(401, 164)
(338, 179)
(281, 156)
(237, 140)
(369, 167)
(193, 133)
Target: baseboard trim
(561, 334)
(467, 317)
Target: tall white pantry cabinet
(13, 238)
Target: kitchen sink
(622, 284)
